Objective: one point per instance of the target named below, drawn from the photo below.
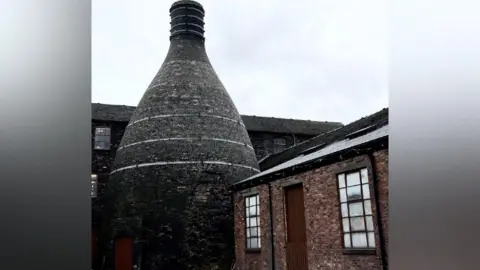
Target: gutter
(272, 239)
(381, 237)
(322, 161)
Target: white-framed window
(356, 209)
(94, 191)
(102, 138)
(279, 144)
(252, 220)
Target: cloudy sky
(309, 59)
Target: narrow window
(252, 220)
(279, 144)
(94, 191)
(356, 209)
(102, 138)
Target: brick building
(268, 136)
(162, 175)
(322, 204)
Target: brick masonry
(322, 213)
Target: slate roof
(377, 119)
(329, 149)
(282, 125)
(107, 112)
(122, 113)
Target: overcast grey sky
(308, 59)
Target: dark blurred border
(45, 92)
(435, 127)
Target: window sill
(102, 149)
(253, 250)
(359, 251)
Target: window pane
(356, 209)
(253, 200)
(248, 232)
(344, 210)
(253, 232)
(357, 224)
(99, 145)
(369, 220)
(371, 239)
(99, 131)
(94, 187)
(343, 195)
(366, 191)
(102, 131)
(354, 193)
(353, 179)
(346, 225)
(253, 222)
(368, 207)
(254, 243)
(252, 211)
(257, 209)
(346, 240)
(359, 240)
(341, 180)
(364, 175)
(258, 231)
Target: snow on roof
(327, 150)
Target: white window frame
(358, 227)
(94, 190)
(279, 144)
(102, 137)
(252, 222)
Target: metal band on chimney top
(186, 18)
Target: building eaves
(330, 149)
(377, 119)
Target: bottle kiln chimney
(184, 146)
(187, 20)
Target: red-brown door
(124, 254)
(94, 244)
(296, 231)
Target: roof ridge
(293, 119)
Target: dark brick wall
(246, 260)
(322, 213)
(102, 160)
(264, 143)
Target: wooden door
(296, 230)
(94, 244)
(124, 254)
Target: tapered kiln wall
(184, 145)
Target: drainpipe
(272, 240)
(232, 201)
(371, 157)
